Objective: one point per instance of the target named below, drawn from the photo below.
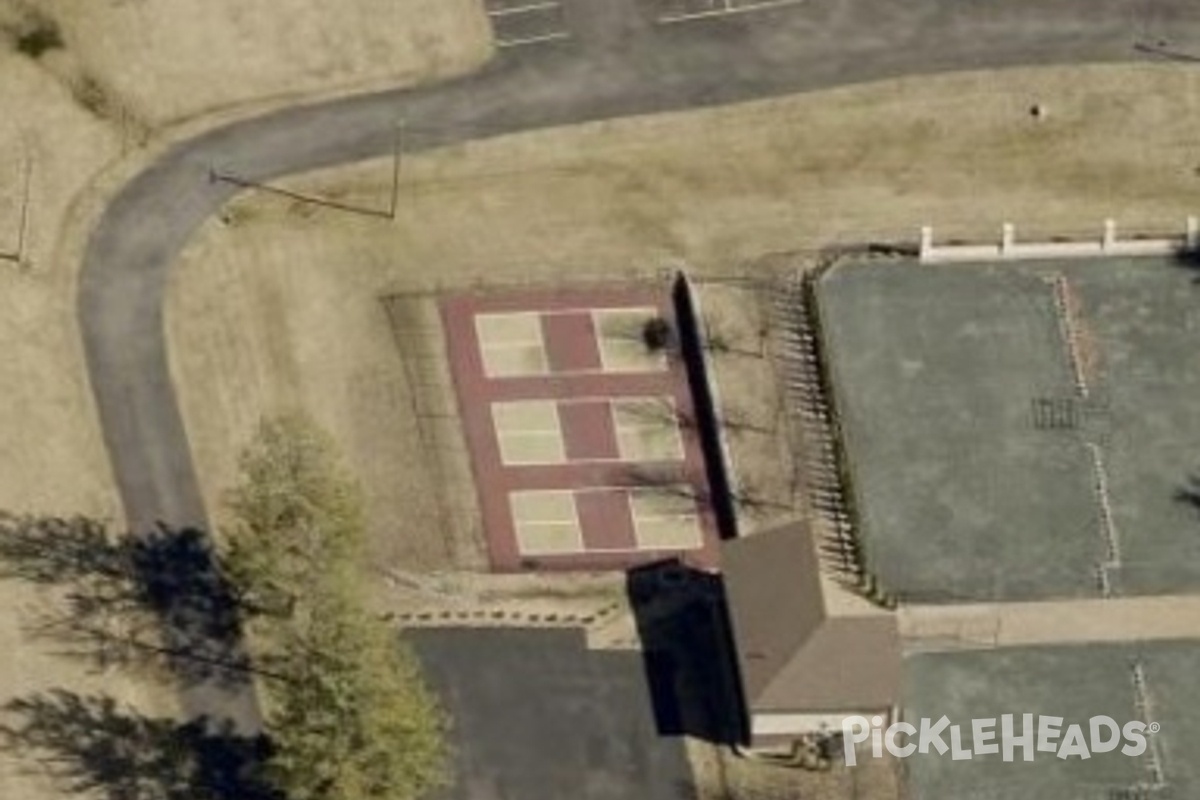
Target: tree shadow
(687, 651)
(161, 599)
(91, 744)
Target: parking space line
(728, 9)
(528, 22)
(548, 37)
(503, 12)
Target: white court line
(593, 488)
(504, 12)
(678, 450)
(575, 549)
(697, 541)
(542, 492)
(692, 514)
(664, 404)
(728, 10)
(655, 362)
(563, 310)
(596, 398)
(488, 344)
(548, 432)
(575, 373)
(573, 522)
(550, 405)
(656, 517)
(671, 422)
(583, 462)
(483, 316)
(593, 310)
(1069, 331)
(509, 459)
(542, 367)
(618, 550)
(549, 37)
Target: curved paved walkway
(617, 62)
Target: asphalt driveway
(539, 717)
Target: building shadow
(1189, 492)
(1188, 260)
(90, 744)
(688, 651)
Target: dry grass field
(721, 775)
(278, 305)
(31, 668)
(53, 459)
(105, 76)
(161, 61)
(53, 456)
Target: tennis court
(1151, 683)
(1020, 431)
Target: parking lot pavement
(526, 22)
(536, 716)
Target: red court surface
(579, 435)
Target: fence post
(925, 249)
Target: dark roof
(792, 655)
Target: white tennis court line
(498, 348)
(626, 352)
(677, 530)
(668, 426)
(653, 311)
(681, 495)
(619, 355)
(550, 426)
(544, 412)
(694, 540)
(726, 9)
(689, 515)
(561, 311)
(537, 439)
(563, 525)
(505, 11)
(484, 319)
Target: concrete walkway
(988, 625)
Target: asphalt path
(618, 60)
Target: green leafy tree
(298, 514)
(350, 718)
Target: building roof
(793, 655)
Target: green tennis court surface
(980, 470)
